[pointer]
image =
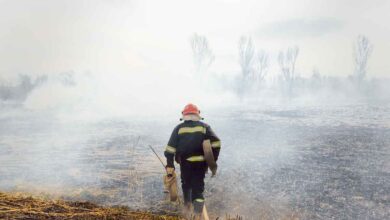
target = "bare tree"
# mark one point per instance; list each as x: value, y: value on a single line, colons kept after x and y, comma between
x: 287, y: 62
x: 246, y: 52
x: 202, y: 54
x: 261, y: 66
x: 315, y: 80
x: 254, y: 66
x: 363, y: 49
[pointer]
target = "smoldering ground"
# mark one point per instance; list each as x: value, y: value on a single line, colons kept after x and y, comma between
x: 310, y: 161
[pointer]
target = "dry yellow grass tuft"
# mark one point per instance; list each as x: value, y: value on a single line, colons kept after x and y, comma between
x: 18, y: 206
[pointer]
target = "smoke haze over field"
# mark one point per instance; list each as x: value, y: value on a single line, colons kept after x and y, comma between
x: 138, y: 53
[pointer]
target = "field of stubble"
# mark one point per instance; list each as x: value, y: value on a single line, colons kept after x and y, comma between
x: 276, y: 162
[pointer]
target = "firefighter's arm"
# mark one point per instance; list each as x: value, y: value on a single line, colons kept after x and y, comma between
x: 170, y: 149
x: 215, y: 142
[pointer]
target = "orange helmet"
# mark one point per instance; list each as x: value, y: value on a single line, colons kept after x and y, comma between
x: 190, y: 109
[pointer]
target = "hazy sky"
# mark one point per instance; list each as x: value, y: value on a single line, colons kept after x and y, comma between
x: 152, y: 37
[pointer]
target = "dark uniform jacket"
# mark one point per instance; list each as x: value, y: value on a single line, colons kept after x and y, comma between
x: 186, y: 142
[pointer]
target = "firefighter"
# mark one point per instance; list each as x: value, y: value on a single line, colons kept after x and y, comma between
x: 185, y: 146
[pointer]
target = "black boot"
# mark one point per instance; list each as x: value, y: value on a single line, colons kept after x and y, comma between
x: 198, y: 206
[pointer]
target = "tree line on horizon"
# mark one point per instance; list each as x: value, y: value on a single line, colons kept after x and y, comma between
x: 254, y: 64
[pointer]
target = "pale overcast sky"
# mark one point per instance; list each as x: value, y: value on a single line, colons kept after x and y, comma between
x: 136, y: 37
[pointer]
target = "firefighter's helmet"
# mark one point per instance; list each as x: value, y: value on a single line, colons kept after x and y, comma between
x: 190, y: 109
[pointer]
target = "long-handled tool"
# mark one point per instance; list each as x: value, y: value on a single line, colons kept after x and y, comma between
x: 205, y: 214
x: 162, y: 163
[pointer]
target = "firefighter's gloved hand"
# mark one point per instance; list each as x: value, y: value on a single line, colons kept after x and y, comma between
x: 170, y: 171
x: 214, y: 171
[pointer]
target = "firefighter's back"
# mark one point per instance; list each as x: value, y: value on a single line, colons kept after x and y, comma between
x: 190, y: 138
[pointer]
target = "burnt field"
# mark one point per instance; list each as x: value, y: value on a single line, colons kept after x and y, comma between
x: 276, y: 162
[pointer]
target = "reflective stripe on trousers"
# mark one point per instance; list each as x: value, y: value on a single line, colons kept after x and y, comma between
x: 199, y: 158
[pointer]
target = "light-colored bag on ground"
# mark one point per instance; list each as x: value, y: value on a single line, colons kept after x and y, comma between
x: 170, y: 184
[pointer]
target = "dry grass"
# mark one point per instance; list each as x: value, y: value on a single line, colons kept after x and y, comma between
x: 18, y: 206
